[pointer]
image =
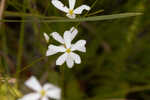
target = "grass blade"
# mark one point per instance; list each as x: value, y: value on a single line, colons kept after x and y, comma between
x: 93, y: 18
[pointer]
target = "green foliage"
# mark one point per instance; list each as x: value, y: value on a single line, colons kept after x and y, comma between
x: 9, y: 91
x: 118, y: 50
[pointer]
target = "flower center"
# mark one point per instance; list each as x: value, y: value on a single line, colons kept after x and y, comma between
x: 68, y: 50
x: 71, y: 12
x: 43, y: 92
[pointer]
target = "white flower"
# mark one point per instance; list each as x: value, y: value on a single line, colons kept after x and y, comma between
x: 69, y: 56
x: 41, y: 93
x: 71, y: 12
x: 46, y: 37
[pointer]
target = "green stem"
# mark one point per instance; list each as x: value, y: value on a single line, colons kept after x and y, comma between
x: 87, y: 12
x: 5, y: 49
x: 20, y: 49
x: 28, y: 66
x: 21, y: 42
x: 62, y: 69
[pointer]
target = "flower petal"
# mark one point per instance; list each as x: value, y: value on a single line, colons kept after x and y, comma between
x: 31, y: 96
x: 57, y: 37
x: 80, y: 46
x: 72, y: 4
x: 73, y: 32
x: 73, y: 16
x: 45, y: 98
x: 46, y: 37
x: 48, y: 86
x: 81, y: 8
x: 59, y: 5
x: 69, y: 61
x: 61, y: 59
x: 33, y: 83
x: 76, y: 57
x: 67, y: 38
x: 54, y: 93
x: 52, y: 49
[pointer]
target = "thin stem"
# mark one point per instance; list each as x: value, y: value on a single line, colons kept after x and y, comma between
x: 87, y: 12
x: 96, y: 12
x: 28, y: 66
x: 21, y: 42
x: 20, y: 50
x: 5, y: 48
x: 62, y: 69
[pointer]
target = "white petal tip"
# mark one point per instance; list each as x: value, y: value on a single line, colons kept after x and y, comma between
x: 47, y: 54
x: 52, y: 34
x: 58, y: 64
x: 70, y: 67
x: 46, y: 37
x: 59, y: 5
x: 79, y: 62
x: 29, y: 80
x: 73, y: 29
x: 88, y: 8
x: 71, y: 16
x: 84, y: 51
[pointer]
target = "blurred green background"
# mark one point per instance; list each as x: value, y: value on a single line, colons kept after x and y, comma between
x: 116, y: 65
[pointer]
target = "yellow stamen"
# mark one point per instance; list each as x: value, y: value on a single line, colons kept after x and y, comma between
x: 43, y: 92
x: 68, y: 50
x: 71, y: 12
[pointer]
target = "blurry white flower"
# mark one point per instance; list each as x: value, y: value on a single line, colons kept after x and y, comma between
x: 71, y: 12
x: 69, y: 56
x: 41, y: 93
x: 46, y: 37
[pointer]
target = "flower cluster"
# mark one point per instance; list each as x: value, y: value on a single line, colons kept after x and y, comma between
x: 66, y: 47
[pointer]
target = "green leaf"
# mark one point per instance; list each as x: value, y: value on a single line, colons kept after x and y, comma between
x: 94, y: 18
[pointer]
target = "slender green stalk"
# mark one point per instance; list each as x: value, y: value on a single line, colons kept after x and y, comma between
x: 88, y: 12
x: 62, y: 69
x: 5, y: 49
x: 20, y: 49
x: 94, y: 13
x: 83, y: 19
x: 21, y: 42
x: 28, y: 66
